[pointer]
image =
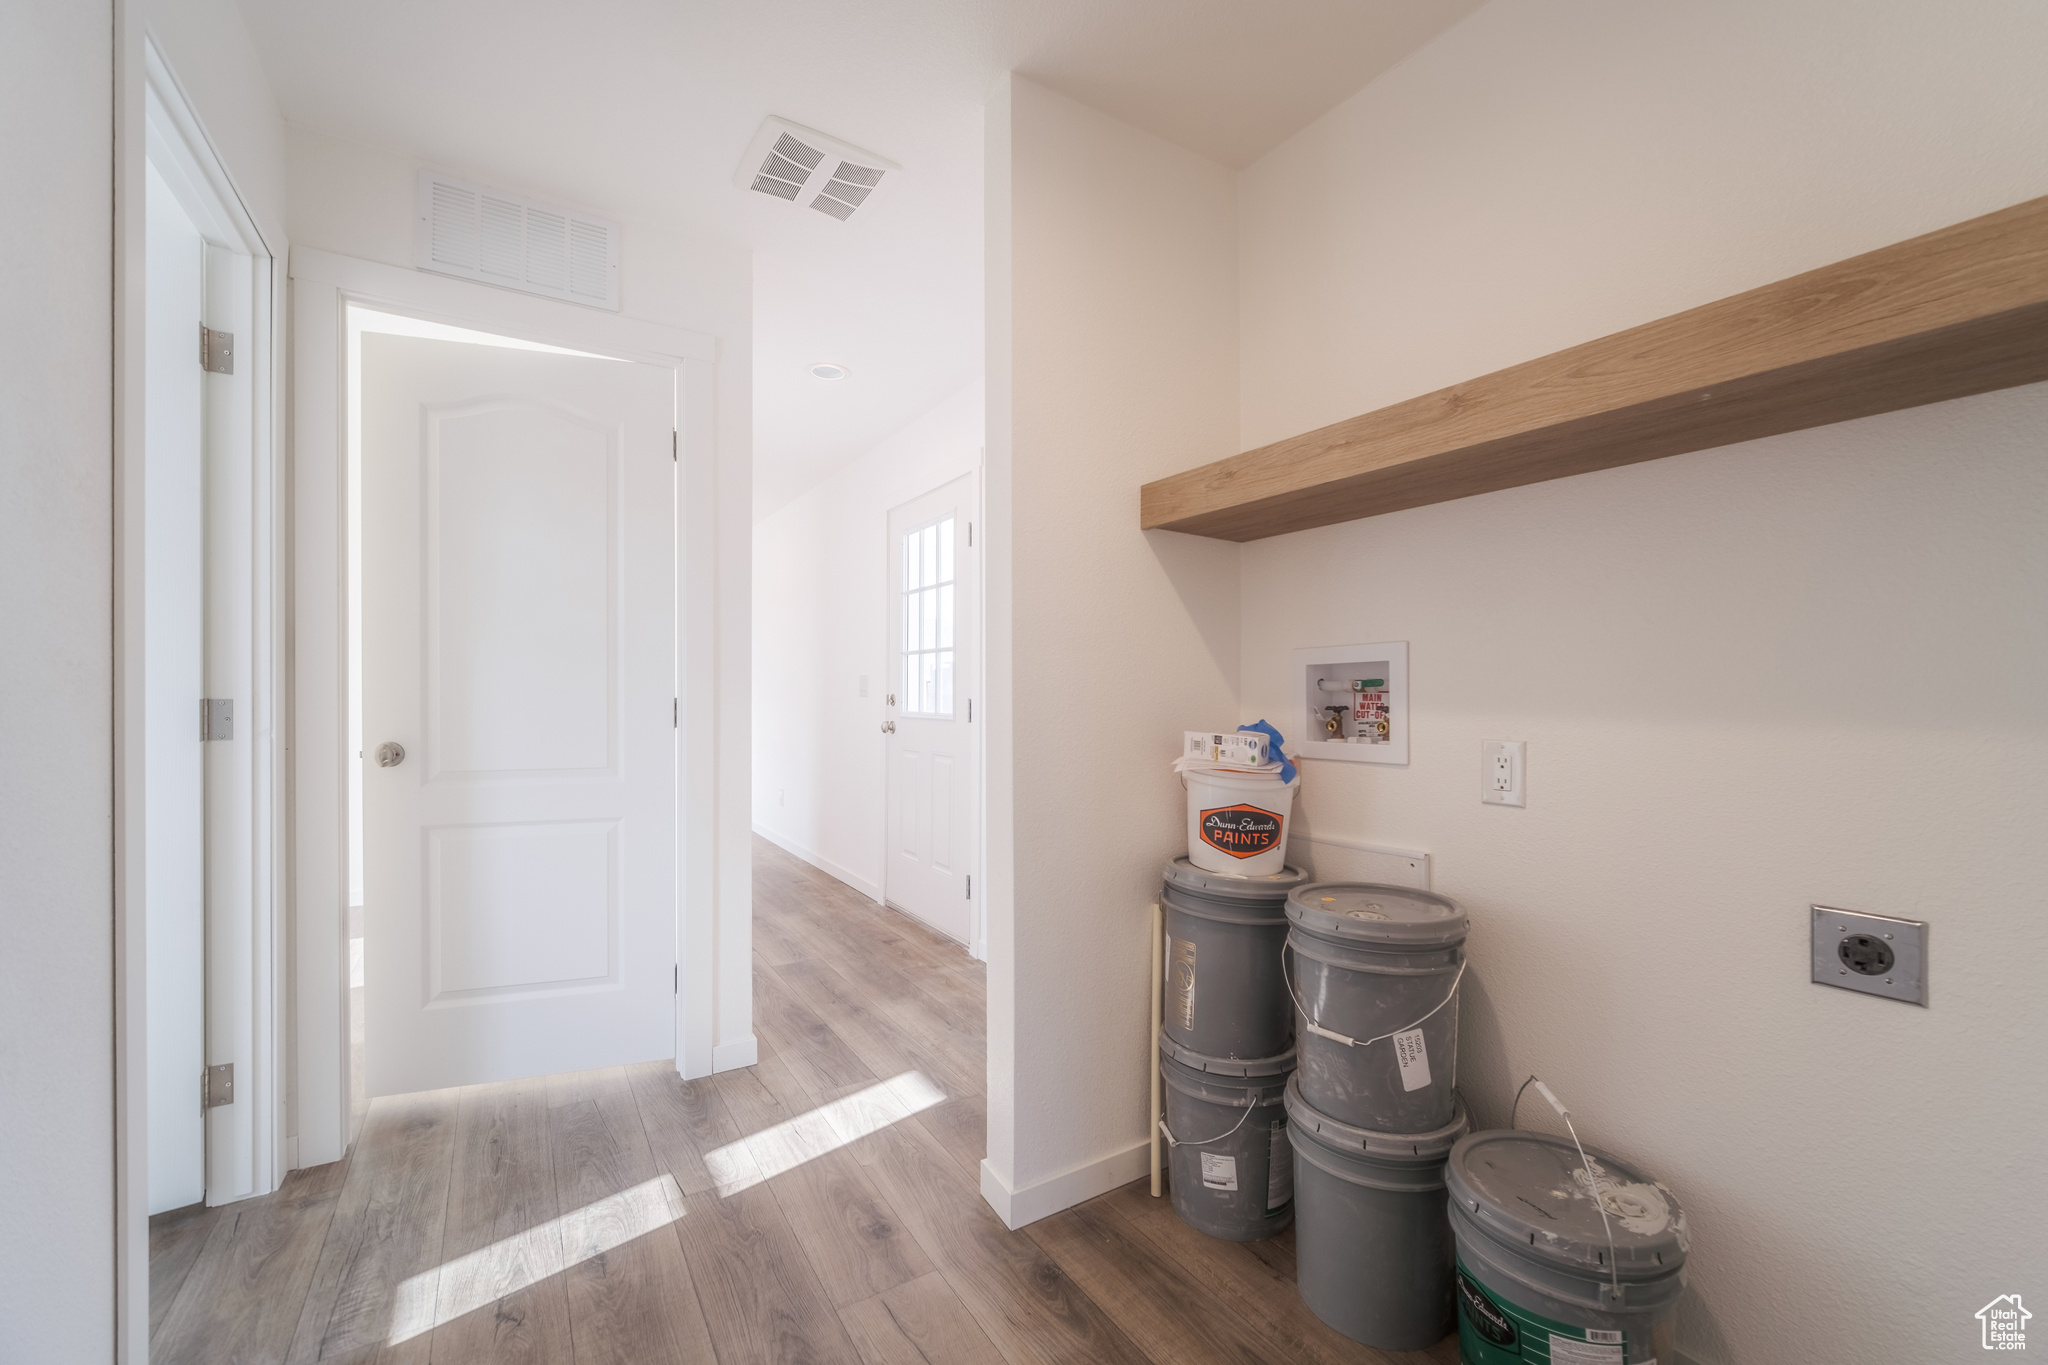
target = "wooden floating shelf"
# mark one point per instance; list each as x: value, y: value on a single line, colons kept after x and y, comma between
x: 1956, y: 312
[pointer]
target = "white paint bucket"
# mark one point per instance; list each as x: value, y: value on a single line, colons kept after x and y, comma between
x: 1237, y: 822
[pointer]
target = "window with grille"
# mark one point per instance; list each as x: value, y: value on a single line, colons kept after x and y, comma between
x: 928, y: 620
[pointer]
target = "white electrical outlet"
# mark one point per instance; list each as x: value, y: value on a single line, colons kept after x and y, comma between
x: 1500, y: 772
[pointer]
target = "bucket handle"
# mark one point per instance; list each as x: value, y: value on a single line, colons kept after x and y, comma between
x: 1313, y: 1027
x: 1173, y: 1141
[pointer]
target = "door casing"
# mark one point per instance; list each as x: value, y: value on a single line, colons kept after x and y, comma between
x: 714, y: 1012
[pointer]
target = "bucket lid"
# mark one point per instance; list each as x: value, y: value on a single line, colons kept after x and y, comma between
x: 1225, y: 1066
x: 1271, y: 889
x: 1303, y: 1117
x: 1529, y: 1192
x: 1367, y: 912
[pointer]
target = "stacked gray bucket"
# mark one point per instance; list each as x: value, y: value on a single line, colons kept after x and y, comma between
x: 1226, y: 1050
x: 1375, y: 973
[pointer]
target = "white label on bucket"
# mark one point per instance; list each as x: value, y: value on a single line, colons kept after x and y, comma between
x: 1220, y: 1172
x: 1568, y: 1351
x: 1413, y: 1058
x: 1279, y: 1168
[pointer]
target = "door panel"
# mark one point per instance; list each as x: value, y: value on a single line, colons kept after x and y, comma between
x: 174, y: 827
x: 934, y: 648
x: 518, y: 642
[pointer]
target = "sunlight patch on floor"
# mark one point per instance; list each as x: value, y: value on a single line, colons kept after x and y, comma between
x: 505, y: 1267
x: 789, y: 1144
x: 524, y: 1259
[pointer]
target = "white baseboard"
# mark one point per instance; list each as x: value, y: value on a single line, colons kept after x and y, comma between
x: 735, y: 1054
x: 822, y: 863
x: 1063, y: 1191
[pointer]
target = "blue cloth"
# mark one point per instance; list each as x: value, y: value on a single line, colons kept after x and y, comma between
x: 1273, y: 743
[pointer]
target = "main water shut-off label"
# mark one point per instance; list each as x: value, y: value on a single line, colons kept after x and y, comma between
x: 1241, y: 831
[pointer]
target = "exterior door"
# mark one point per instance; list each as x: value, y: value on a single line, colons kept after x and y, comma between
x: 518, y: 591
x: 934, y: 646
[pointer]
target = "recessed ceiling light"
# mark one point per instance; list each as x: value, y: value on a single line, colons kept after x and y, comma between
x: 827, y: 370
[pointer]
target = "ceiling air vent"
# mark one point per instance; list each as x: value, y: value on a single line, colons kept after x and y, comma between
x: 484, y: 234
x: 812, y: 170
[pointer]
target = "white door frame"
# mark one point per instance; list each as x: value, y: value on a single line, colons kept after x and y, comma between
x: 323, y: 285
x: 157, y: 125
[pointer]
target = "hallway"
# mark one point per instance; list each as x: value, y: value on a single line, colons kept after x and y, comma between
x: 822, y: 1206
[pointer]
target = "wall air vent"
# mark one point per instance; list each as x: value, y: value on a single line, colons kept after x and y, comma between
x: 811, y: 170
x: 478, y: 233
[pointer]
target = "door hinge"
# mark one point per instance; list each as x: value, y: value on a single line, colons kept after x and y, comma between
x: 676, y: 981
x: 216, y: 718
x: 970, y: 886
x: 970, y: 535
x: 216, y: 351
x: 675, y: 713
x: 217, y: 1086
x: 675, y: 445
x: 970, y: 710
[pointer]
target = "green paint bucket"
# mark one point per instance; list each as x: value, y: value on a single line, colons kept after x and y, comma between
x: 1536, y: 1280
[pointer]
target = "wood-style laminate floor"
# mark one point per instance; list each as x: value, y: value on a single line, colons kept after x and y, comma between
x: 822, y: 1207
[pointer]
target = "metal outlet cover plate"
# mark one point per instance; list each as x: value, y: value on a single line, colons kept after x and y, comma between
x: 1906, y: 940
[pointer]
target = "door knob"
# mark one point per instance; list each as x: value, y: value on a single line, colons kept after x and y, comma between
x: 390, y: 754
x: 888, y: 727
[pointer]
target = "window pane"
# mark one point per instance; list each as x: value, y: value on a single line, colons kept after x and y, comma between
x: 929, y: 639
x: 908, y: 691
x: 946, y: 550
x: 910, y: 543
x: 909, y: 621
x: 945, y: 640
x: 945, y: 682
x: 931, y: 555
x: 927, y: 684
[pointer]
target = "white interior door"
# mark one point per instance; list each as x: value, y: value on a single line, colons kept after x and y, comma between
x: 934, y: 643
x: 174, y: 825
x: 518, y: 593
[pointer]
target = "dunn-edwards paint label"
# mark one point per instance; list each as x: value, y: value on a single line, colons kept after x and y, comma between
x: 1241, y: 831
x: 1219, y: 1172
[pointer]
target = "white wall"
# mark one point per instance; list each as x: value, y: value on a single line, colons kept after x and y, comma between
x: 1112, y: 361
x: 821, y: 604
x: 1801, y: 670
x: 209, y: 50
x: 57, y: 1148
x: 357, y: 200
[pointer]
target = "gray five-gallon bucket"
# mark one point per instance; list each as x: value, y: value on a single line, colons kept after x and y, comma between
x: 1375, y: 971
x: 1372, y: 1243
x: 1225, y: 996
x: 1228, y: 1159
x: 1533, y: 1260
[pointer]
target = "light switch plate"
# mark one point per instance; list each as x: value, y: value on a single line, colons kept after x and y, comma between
x: 1501, y: 762
x: 1875, y: 954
